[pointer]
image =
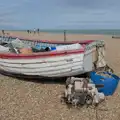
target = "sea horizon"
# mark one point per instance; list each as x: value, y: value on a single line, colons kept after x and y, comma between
x: 78, y: 31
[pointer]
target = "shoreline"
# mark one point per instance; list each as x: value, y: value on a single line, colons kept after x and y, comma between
x: 73, y: 31
x: 57, y: 36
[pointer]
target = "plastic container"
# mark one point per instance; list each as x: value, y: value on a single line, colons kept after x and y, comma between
x: 110, y: 83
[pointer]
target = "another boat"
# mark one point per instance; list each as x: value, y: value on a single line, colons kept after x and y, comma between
x: 116, y: 36
x: 53, y: 63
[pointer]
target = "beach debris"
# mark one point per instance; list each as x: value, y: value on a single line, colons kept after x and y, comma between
x: 79, y: 91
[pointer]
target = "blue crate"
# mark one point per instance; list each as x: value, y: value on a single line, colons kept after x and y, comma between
x: 110, y: 84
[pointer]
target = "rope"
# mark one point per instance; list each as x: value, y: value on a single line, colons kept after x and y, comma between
x: 100, y: 56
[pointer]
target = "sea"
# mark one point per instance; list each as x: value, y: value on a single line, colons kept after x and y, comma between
x: 85, y: 31
x: 90, y: 31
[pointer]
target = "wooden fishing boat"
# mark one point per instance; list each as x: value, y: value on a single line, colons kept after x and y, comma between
x: 54, y: 63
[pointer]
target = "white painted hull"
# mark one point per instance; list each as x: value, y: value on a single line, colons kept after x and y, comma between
x: 59, y: 66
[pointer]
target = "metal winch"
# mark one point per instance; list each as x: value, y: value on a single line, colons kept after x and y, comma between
x: 79, y: 91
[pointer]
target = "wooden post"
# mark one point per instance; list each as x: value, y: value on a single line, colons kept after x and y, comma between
x: 64, y: 35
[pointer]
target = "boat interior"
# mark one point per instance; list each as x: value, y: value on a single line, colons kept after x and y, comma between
x: 18, y: 46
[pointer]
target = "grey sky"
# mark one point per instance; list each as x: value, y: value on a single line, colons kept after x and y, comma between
x: 55, y: 14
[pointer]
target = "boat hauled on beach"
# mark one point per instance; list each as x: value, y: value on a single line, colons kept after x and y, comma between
x: 44, y: 58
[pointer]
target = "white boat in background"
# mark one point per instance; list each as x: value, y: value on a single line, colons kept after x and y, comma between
x: 54, y: 63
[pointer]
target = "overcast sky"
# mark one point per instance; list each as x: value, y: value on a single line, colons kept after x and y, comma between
x: 60, y: 14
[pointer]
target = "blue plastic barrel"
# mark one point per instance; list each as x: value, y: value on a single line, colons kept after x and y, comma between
x: 110, y: 83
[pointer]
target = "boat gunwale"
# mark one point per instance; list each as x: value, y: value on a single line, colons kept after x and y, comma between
x: 52, y: 41
x: 39, y: 55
